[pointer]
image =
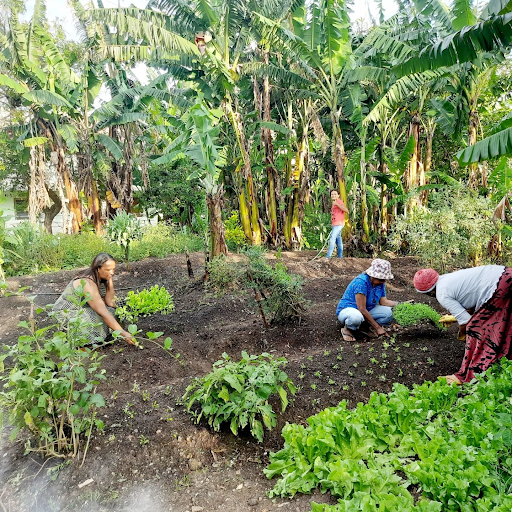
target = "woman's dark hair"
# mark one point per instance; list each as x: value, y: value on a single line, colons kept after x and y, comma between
x: 92, y: 272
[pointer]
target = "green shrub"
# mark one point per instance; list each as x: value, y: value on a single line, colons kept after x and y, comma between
x: 455, y: 231
x: 316, y: 227
x: 238, y: 393
x: 32, y: 250
x: 50, y: 388
x: 78, y: 250
x: 224, y: 275
x: 163, y: 239
x: 122, y: 230
x: 282, y: 293
x: 145, y: 303
x: 412, y: 314
x: 235, y: 236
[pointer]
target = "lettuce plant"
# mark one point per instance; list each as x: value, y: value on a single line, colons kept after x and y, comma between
x: 145, y: 303
x: 413, y: 314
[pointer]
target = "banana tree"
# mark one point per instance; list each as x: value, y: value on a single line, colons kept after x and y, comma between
x: 41, y: 79
x: 198, y: 130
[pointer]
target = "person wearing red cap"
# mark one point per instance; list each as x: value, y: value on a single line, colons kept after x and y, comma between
x: 480, y: 299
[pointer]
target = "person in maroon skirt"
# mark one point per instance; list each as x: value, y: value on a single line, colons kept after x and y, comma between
x: 480, y: 299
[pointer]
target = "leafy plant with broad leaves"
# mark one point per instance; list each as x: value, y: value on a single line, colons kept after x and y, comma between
x: 455, y: 450
x: 50, y: 386
x: 123, y: 229
x: 239, y: 392
x: 413, y: 314
x: 145, y: 303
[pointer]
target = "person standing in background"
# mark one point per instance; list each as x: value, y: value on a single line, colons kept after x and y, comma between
x: 338, y: 211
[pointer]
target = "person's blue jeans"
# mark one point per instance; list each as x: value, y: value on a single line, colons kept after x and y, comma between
x: 353, y: 318
x: 335, y: 239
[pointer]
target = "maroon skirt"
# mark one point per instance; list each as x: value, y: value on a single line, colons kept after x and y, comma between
x: 489, y: 332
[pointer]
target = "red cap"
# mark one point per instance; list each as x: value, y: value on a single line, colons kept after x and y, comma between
x: 425, y: 280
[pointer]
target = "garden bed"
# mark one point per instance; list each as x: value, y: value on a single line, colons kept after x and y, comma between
x: 151, y: 456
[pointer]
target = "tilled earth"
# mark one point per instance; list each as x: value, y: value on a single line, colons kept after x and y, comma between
x: 151, y: 456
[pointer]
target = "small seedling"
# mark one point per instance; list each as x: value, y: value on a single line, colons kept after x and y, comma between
x: 331, y: 382
x: 127, y: 410
x: 382, y: 378
x: 301, y: 375
x: 145, y: 395
x: 355, y: 365
x: 313, y: 386
x: 339, y: 358
x: 400, y: 372
x: 335, y: 366
x: 431, y: 361
x: 369, y: 371
x: 424, y: 349
x: 346, y: 387
x: 143, y: 440
x: 327, y: 352
x: 363, y: 383
x: 136, y: 387
x: 318, y: 374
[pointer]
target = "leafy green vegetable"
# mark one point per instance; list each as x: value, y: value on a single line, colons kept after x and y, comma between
x: 238, y: 393
x: 412, y: 314
x: 456, y: 450
x: 144, y: 303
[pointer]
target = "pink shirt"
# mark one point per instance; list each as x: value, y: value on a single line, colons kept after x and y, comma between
x: 337, y: 214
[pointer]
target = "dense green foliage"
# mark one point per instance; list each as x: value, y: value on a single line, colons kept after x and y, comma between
x: 238, y: 393
x: 456, y: 449
x: 407, y: 314
x: 455, y: 231
x: 123, y: 230
x: 145, y: 303
x: 49, y: 388
x: 32, y: 250
x: 278, y: 292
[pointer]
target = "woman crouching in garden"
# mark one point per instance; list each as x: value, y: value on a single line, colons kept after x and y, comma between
x: 480, y: 299
x: 99, y: 313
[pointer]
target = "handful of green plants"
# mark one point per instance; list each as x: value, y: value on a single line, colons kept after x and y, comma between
x: 407, y: 314
x: 238, y: 392
x: 145, y: 303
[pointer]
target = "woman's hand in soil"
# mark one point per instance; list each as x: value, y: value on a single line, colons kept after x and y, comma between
x: 381, y: 331
x: 128, y: 337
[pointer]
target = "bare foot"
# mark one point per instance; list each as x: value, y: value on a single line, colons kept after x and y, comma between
x: 347, y: 334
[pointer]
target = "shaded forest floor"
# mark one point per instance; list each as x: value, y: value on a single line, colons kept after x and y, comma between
x: 151, y: 456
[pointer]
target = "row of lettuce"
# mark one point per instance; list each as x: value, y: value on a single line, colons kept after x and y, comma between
x: 452, y: 451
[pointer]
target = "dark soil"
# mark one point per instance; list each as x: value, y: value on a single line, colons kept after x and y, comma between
x: 188, y: 467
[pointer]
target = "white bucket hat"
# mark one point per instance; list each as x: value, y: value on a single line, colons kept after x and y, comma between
x: 380, y: 269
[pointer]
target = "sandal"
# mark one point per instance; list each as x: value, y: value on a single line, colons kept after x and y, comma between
x: 452, y: 380
x: 346, y: 335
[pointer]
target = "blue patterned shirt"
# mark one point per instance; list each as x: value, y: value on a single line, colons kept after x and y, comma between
x: 361, y: 284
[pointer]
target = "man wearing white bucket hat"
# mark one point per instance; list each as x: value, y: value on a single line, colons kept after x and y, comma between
x: 365, y: 300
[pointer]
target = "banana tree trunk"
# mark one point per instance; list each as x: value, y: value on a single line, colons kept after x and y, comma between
x: 75, y: 208
x: 214, y: 201
x: 269, y: 160
x: 95, y: 207
x: 295, y: 208
x: 428, y: 162
x: 411, y: 177
x: 474, y: 178
x: 252, y: 203
x: 38, y: 198
x: 364, y: 207
x: 51, y: 212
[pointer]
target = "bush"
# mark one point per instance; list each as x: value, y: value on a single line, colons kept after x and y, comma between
x: 235, y: 236
x: 238, y: 393
x: 455, y: 231
x: 316, y: 227
x: 50, y: 389
x: 412, y: 314
x: 282, y: 293
x: 163, y: 239
x: 122, y: 230
x: 224, y: 276
x: 145, y: 303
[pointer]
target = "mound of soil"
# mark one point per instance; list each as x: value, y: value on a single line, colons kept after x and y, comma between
x: 151, y: 456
